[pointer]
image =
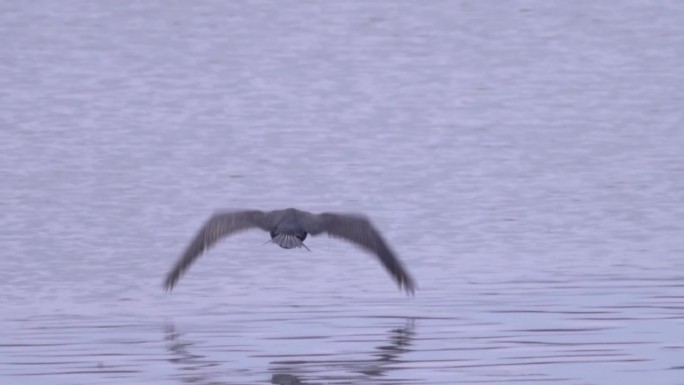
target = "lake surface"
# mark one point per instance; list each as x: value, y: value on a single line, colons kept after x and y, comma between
x: 523, y: 158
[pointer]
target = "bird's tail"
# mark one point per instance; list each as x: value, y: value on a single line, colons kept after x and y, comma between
x: 287, y: 241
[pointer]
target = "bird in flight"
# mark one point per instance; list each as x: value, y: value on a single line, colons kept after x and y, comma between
x: 288, y: 229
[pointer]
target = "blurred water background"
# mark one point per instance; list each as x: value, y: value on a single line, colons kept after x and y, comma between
x: 524, y: 158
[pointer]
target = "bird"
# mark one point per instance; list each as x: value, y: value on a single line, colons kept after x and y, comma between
x: 288, y: 228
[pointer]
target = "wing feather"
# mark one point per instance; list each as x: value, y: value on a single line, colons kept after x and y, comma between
x: 362, y: 232
x: 219, y: 225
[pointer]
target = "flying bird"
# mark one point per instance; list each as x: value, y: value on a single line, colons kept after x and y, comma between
x: 288, y: 229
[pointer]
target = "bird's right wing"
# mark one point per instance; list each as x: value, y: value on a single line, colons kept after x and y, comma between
x: 220, y: 225
x: 359, y: 230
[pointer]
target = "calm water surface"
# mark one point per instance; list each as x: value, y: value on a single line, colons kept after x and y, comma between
x: 524, y: 159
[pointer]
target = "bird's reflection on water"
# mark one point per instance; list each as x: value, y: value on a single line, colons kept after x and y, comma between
x: 196, y: 369
x: 199, y: 369
x: 400, y: 340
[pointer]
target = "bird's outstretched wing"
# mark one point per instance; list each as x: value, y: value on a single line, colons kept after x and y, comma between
x: 360, y: 230
x: 220, y: 225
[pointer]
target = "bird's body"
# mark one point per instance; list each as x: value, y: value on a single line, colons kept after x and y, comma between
x: 288, y: 229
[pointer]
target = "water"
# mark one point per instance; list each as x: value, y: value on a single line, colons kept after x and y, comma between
x: 523, y: 158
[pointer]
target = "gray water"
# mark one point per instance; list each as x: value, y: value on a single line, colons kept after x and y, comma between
x: 524, y: 159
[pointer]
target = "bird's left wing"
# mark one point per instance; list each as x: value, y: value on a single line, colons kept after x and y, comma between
x: 220, y: 225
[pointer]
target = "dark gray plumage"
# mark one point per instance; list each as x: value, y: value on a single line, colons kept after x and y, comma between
x: 288, y: 229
